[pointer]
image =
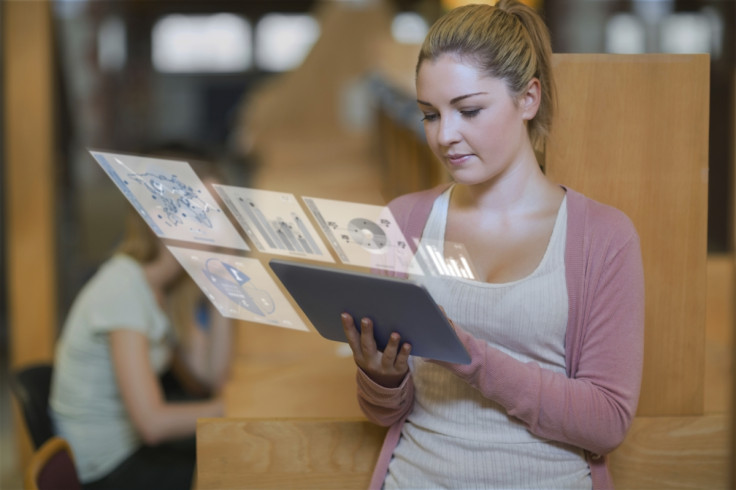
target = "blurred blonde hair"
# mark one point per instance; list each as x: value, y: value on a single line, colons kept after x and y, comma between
x: 139, y: 241
x: 508, y: 41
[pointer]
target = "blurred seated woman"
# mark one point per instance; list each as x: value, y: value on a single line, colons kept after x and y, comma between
x: 135, y: 327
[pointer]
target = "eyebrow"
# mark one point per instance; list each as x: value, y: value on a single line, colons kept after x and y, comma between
x: 455, y: 100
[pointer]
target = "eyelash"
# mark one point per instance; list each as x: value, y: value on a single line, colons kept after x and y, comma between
x: 468, y: 114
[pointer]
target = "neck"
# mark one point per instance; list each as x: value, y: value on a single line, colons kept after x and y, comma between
x: 161, y: 272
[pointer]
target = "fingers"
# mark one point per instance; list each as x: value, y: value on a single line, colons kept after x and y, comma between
x: 393, y: 361
x: 384, y: 360
x: 351, y: 333
x: 367, y: 341
x: 362, y: 343
x: 395, y: 357
x: 389, y: 353
x: 401, y: 364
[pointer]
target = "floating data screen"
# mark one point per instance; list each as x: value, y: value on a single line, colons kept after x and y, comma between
x: 440, y: 258
x: 274, y: 222
x: 239, y: 287
x: 365, y: 235
x: 171, y: 198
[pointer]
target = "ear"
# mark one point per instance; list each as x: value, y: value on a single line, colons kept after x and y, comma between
x: 530, y: 99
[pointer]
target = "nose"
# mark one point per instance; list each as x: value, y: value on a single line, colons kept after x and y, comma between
x: 447, y: 131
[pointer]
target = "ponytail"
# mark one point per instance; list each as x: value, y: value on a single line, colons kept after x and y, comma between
x: 540, y: 126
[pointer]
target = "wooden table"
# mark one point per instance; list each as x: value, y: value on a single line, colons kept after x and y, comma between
x: 279, y: 372
x: 291, y: 417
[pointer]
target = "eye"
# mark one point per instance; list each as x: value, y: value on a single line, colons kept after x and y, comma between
x: 470, y: 113
x: 430, y: 117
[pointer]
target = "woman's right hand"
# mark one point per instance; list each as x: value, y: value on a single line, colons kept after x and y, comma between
x: 387, y: 368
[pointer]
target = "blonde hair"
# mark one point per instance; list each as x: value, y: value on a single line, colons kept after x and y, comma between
x: 139, y: 241
x: 508, y: 41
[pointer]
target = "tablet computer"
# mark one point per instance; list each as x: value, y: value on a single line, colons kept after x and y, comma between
x: 393, y: 304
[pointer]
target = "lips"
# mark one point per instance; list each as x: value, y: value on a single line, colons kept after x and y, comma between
x: 457, y: 158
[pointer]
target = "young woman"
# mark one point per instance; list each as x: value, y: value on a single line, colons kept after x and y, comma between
x: 554, y: 326
x: 132, y: 325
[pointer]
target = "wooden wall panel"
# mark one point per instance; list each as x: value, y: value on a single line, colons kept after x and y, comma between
x: 632, y: 131
x: 28, y: 190
x: 29, y: 180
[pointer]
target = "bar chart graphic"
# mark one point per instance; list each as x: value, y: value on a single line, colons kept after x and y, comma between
x: 171, y: 198
x: 448, y: 259
x: 239, y: 287
x: 274, y: 222
x: 365, y: 235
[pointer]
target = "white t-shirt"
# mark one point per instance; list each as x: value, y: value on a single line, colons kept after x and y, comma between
x: 85, y: 404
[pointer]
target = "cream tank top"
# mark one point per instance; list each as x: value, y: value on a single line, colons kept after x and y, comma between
x: 456, y: 438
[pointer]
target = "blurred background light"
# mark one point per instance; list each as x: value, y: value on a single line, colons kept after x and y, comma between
x: 686, y: 32
x: 409, y: 28
x: 284, y: 40
x: 625, y: 34
x: 202, y: 43
x: 111, y: 44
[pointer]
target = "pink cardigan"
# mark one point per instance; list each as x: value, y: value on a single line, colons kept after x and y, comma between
x: 592, y: 406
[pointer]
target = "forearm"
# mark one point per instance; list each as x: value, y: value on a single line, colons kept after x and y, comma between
x: 551, y: 405
x: 207, y: 352
x: 170, y: 421
x: 220, y: 351
x: 154, y: 418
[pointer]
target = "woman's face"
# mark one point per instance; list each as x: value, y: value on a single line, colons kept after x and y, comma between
x: 472, y: 123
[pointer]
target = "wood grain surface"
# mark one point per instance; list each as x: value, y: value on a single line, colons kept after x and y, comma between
x: 289, y: 453
x: 632, y: 132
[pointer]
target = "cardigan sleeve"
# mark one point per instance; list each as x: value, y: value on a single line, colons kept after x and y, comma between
x: 387, y: 406
x: 384, y: 406
x: 593, y: 407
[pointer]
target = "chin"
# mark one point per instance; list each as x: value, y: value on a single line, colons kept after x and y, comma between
x: 469, y: 178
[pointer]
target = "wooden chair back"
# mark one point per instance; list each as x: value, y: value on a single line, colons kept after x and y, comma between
x: 51, y: 467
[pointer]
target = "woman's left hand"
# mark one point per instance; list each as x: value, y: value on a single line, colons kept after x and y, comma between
x: 387, y: 368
